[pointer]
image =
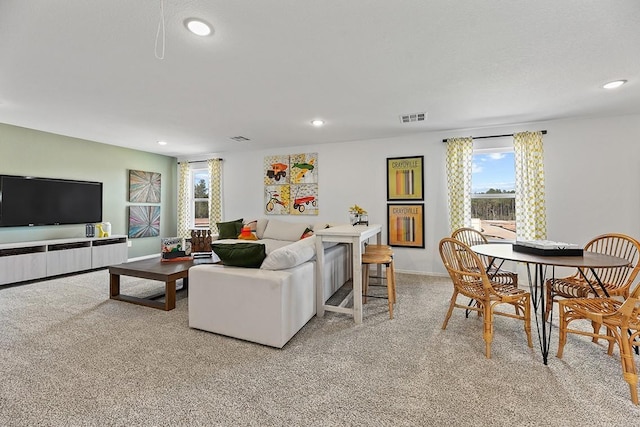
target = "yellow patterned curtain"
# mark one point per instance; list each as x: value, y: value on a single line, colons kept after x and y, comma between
x: 459, y: 157
x: 531, y: 217
x: 184, y: 221
x: 215, y: 193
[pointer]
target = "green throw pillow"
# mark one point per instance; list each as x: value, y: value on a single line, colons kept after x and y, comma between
x: 229, y: 229
x: 240, y: 254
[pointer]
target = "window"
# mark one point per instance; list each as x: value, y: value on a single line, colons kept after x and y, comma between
x: 493, y: 193
x: 200, y: 197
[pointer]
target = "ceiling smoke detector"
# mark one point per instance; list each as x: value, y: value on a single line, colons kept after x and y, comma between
x: 414, y: 117
x: 240, y: 138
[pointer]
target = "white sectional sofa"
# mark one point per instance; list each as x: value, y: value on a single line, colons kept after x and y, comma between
x: 270, y: 304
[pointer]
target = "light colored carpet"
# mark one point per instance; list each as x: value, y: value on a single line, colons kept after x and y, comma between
x: 72, y: 357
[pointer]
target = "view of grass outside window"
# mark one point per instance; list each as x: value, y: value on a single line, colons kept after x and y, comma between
x: 493, y: 194
x: 200, y: 198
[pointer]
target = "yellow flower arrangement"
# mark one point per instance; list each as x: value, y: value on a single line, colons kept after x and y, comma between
x: 355, y: 209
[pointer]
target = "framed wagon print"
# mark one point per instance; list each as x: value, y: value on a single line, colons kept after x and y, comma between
x: 405, y: 178
x: 405, y: 225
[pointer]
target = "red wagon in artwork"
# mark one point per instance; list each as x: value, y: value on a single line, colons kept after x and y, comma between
x: 300, y: 202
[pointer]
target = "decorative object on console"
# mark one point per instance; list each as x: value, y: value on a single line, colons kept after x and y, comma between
x: 405, y: 178
x: 405, y: 225
x: 358, y: 216
x: 144, y: 221
x: 104, y: 229
x: 144, y: 187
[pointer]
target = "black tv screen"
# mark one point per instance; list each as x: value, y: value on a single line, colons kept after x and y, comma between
x: 26, y: 201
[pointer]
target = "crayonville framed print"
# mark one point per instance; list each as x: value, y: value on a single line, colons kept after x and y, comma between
x: 405, y: 225
x: 405, y: 178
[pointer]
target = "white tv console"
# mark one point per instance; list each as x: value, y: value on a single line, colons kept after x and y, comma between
x: 24, y: 261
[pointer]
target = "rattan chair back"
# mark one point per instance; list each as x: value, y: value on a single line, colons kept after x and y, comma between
x: 617, y: 280
x: 469, y: 276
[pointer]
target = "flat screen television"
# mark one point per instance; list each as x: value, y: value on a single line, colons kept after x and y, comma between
x: 28, y: 201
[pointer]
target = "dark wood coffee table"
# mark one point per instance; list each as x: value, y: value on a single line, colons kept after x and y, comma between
x: 153, y: 269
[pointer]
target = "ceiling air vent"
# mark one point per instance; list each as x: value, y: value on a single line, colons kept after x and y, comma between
x: 240, y: 138
x: 415, y: 117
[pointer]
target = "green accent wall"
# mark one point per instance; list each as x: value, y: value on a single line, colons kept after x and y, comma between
x: 34, y: 153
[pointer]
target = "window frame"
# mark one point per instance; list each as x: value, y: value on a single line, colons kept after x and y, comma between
x: 501, y: 145
x: 193, y: 171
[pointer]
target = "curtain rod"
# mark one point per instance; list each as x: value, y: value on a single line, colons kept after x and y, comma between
x: 544, y: 132
x: 202, y: 161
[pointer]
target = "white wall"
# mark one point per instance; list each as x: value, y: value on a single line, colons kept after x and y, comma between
x: 592, y: 182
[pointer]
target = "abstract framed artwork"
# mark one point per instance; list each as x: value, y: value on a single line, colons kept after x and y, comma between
x: 144, y: 221
x: 405, y: 225
x: 144, y: 187
x: 405, y: 178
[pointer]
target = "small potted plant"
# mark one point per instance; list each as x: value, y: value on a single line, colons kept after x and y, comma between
x: 358, y: 216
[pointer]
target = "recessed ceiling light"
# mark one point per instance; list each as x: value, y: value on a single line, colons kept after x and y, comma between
x: 162, y: 142
x: 198, y: 27
x: 317, y: 122
x: 614, y: 84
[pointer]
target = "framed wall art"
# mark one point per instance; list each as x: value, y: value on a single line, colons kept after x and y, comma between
x: 144, y: 221
x: 405, y: 178
x: 291, y: 184
x: 405, y: 225
x: 144, y: 187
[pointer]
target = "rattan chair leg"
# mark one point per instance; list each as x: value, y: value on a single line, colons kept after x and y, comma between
x: 596, y: 330
x: 527, y: 320
x: 452, y: 305
x: 488, y: 329
x: 562, y: 334
x: 549, y: 301
x: 628, y: 365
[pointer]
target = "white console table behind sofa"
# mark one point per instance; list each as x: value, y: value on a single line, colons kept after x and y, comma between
x: 356, y: 235
x: 22, y: 261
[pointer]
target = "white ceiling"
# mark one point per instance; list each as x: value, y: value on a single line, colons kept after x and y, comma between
x: 88, y: 69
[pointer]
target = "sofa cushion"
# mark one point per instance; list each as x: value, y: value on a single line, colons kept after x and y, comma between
x: 290, y: 256
x: 260, y: 226
x: 283, y: 230
x: 240, y: 254
x: 229, y: 229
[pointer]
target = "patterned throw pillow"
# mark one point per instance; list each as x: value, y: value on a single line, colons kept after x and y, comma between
x: 307, y: 233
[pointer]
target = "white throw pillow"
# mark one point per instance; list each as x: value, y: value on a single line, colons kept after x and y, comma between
x: 281, y: 230
x: 291, y: 255
x: 260, y: 226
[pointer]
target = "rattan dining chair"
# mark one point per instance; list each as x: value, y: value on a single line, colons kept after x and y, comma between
x: 622, y: 324
x: 470, y: 279
x: 616, y: 281
x: 471, y: 236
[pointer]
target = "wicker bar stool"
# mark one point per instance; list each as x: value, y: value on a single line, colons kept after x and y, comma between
x: 378, y: 248
x: 373, y: 258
